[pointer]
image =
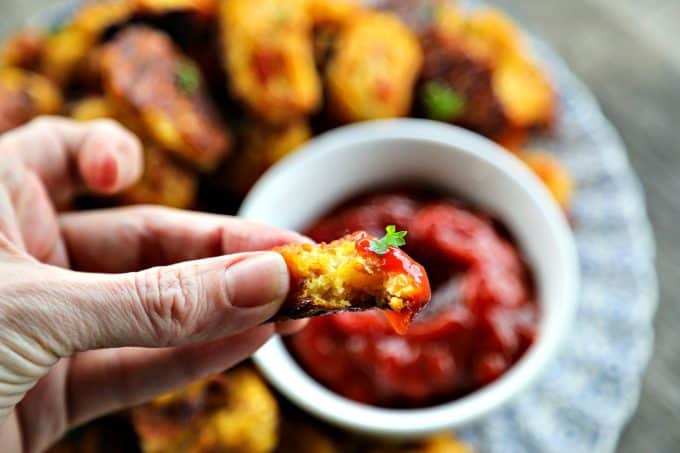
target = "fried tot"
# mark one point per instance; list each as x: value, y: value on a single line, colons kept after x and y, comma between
x: 348, y: 275
x: 481, y: 75
x: 25, y: 95
x: 457, y: 88
x: 525, y: 92
x: 268, y: 54
x: 232, y: 412
x: 149, y: 78
x: 373, y: 70
x: 522, y: 86
x: 491, y: 35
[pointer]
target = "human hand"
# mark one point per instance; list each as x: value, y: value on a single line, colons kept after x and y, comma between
x: 113, y: 332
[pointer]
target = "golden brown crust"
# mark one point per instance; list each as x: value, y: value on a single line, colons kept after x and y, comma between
x: 525, y: 92
x: 268, y: 55
x: 142, y: 72
x: 373, y: 70
x: 345, y: 275
x: 234, y: 411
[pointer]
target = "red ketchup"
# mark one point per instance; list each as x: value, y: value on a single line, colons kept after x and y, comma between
x: 481, y: 320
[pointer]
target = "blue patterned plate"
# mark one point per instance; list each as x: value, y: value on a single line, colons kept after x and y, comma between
x: 590, y: 391
x: 586, y: 396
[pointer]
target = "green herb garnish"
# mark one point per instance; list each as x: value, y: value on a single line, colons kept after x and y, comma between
x: 188, y: 77
x: 392, y: 238
x: 442, y: 103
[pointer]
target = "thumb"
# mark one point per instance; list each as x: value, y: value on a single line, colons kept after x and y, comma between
x: 187, y: 303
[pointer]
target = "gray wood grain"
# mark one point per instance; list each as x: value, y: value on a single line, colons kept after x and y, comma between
x: 627, y: 52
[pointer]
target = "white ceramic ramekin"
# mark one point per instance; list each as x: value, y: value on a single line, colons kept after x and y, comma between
x: 356, y: 158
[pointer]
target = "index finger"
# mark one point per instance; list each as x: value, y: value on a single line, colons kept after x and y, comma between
x: 134, y: 238
x: 66, y: 154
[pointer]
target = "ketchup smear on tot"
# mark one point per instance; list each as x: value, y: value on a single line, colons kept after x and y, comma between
x: 395, y: 260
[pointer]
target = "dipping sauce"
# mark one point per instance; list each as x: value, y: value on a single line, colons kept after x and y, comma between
x: 481, y: 320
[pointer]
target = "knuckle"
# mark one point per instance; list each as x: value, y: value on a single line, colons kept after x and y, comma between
x: 105, y: 124
x: 149, y: 211
x: 40, y: 123
x: 170, y: 297
x: 44, y: 130
x: 44, y: 127
x: 112, y: 129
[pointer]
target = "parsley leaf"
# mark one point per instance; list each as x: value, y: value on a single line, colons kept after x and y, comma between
x: 442, y: 103
x: 188, y: 77
x: 392, y: 238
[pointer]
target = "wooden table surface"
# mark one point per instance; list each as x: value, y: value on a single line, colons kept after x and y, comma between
x: 627, y: 52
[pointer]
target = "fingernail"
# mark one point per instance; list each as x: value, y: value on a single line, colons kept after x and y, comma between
x: 108, y: 172
x: 258, y: 280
